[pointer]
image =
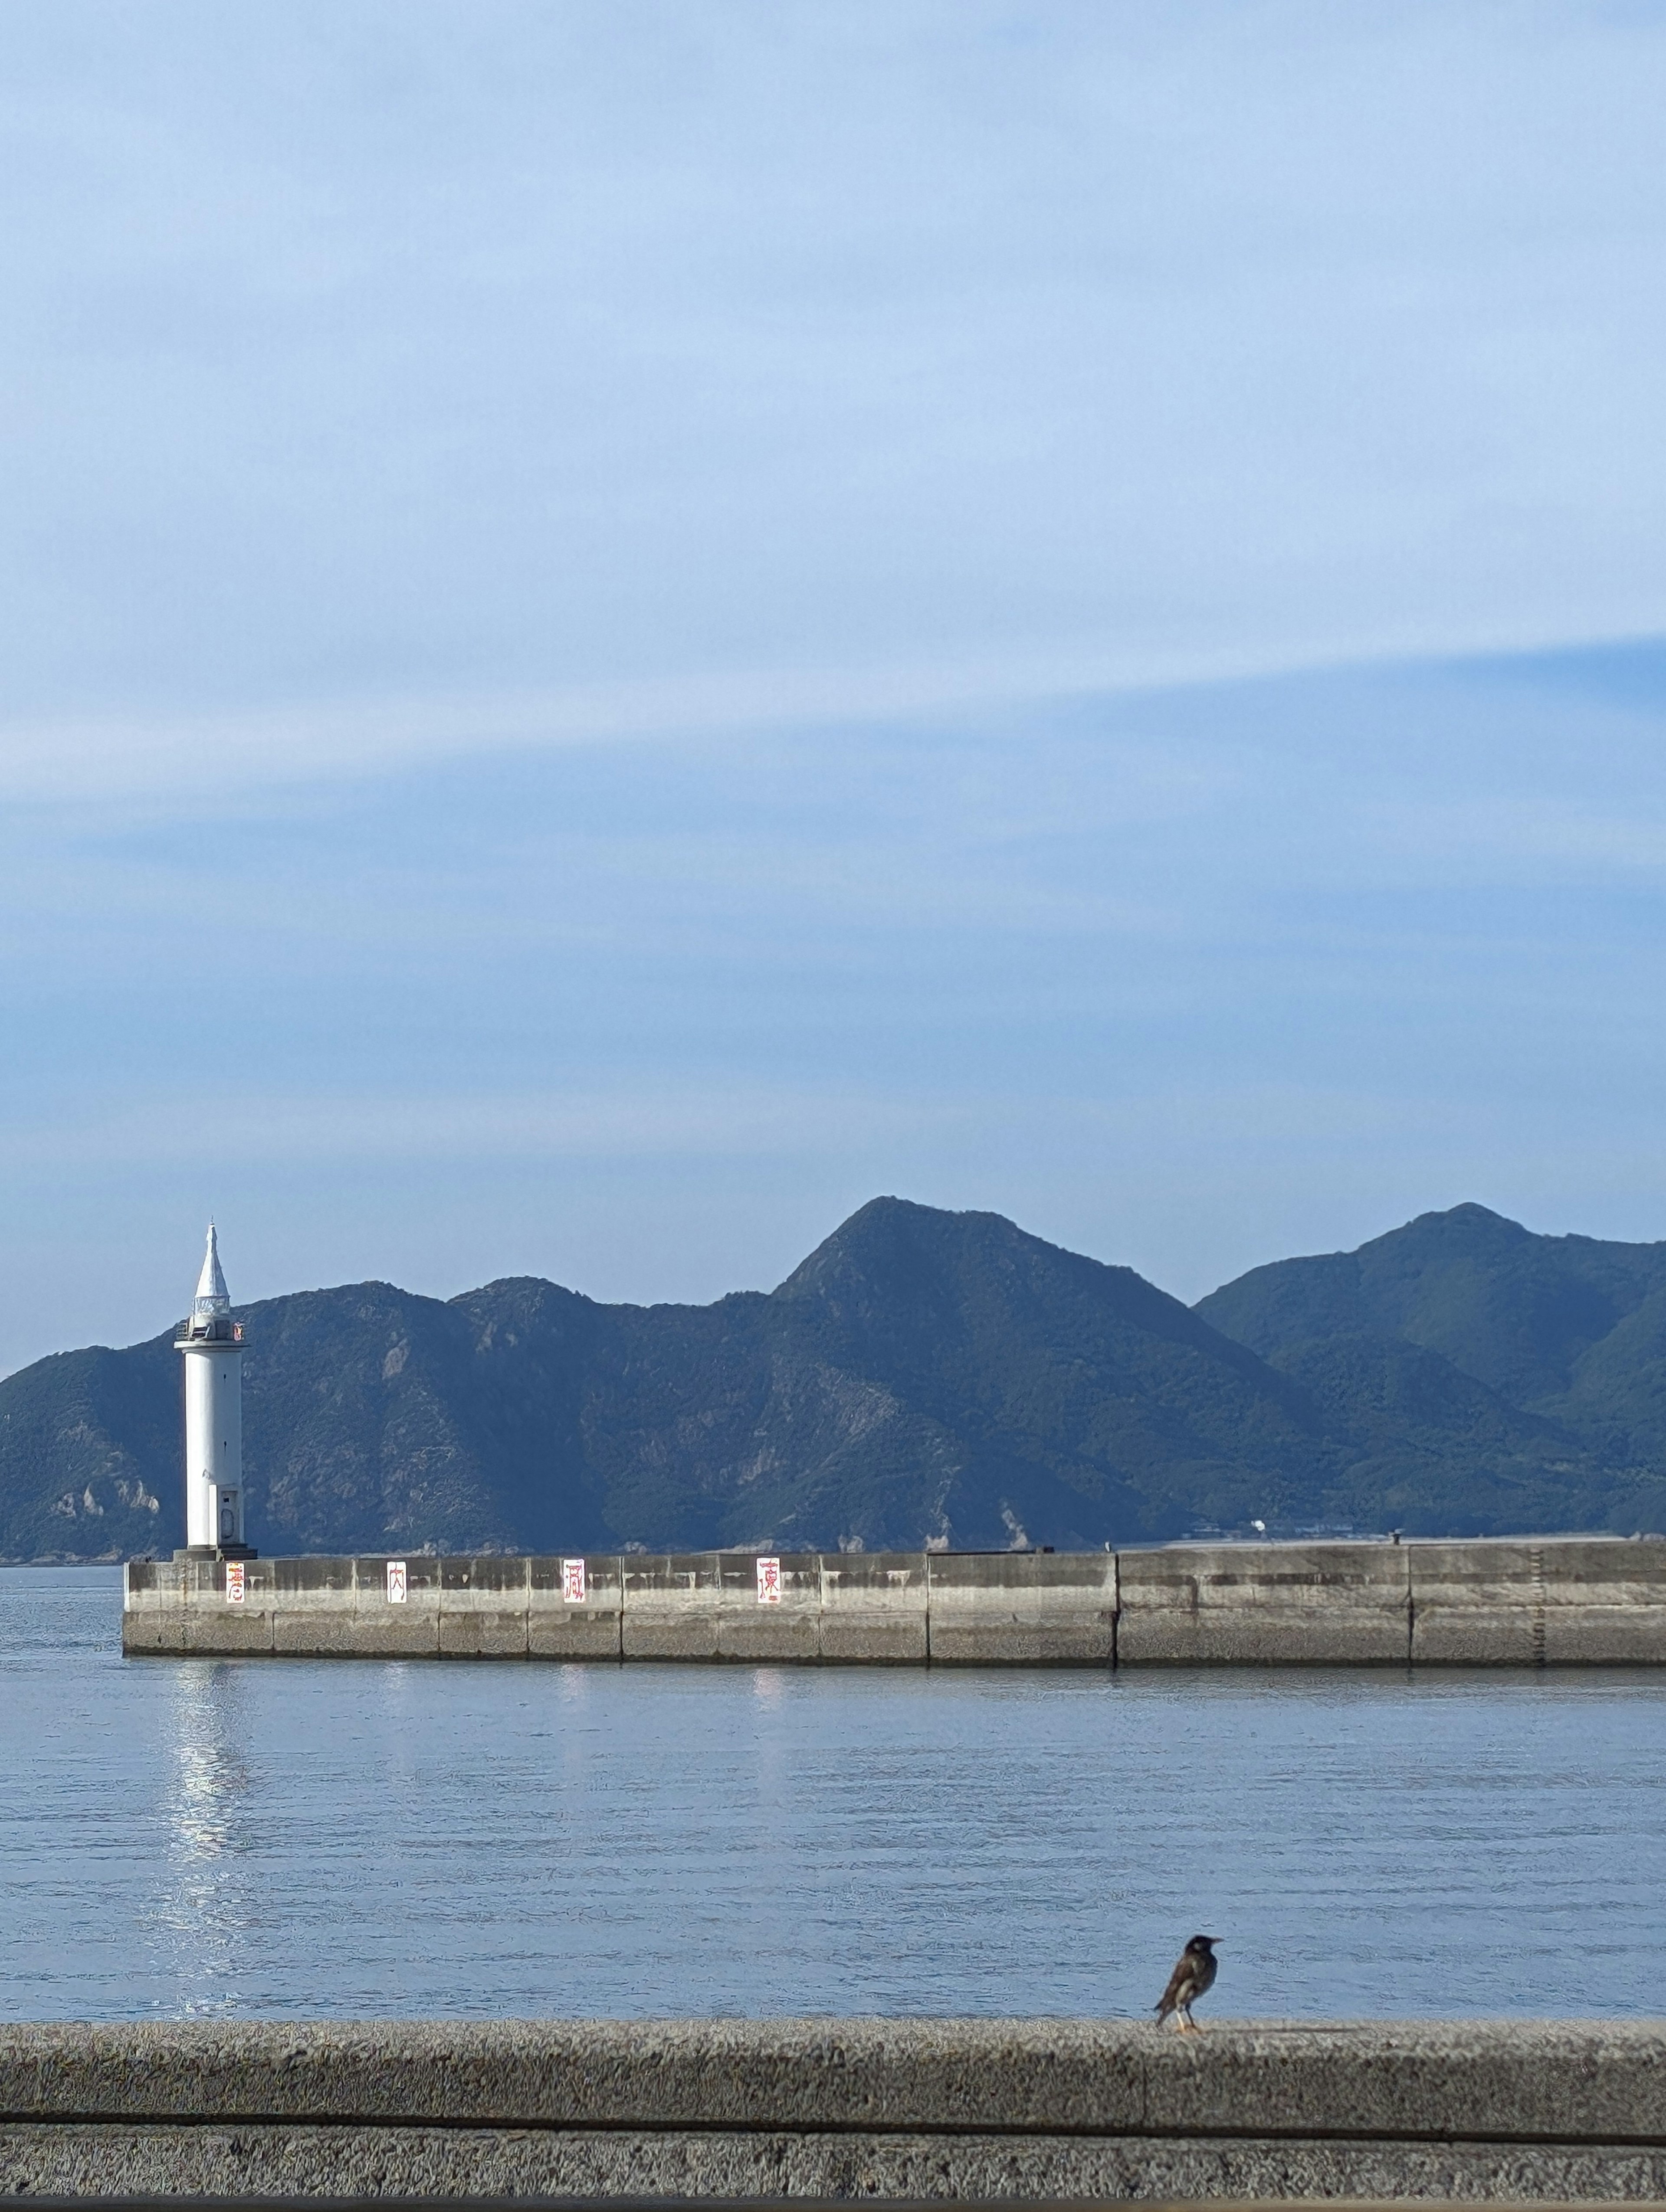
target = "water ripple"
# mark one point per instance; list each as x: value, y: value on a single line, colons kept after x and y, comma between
x: 296, y: 1837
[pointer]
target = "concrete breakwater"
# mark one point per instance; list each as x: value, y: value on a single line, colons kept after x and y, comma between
x: 1549, y: 1601
x: 1488, y: 2111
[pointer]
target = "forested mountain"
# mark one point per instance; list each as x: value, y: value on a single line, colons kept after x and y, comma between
x: 922, y: 1376
x: 1491, y: 1378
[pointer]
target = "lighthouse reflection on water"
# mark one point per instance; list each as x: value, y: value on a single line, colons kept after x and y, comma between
x: 208, y: 1907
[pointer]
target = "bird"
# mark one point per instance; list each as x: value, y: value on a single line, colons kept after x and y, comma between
x: 1193, y: 1973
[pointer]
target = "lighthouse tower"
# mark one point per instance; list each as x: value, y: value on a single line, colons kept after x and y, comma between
x: 212, y: 1344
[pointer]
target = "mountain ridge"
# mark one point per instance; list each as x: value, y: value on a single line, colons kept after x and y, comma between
x: 921, y: 1377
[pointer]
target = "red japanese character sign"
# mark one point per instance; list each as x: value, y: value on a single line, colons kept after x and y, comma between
x: 234, y: 1572
x: 769, y: 1582
x: 396, y: 1582
x: 572, y: 1580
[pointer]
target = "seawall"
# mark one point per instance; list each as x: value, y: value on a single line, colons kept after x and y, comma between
x: 1486, y: 2111
x: 1549, y: 1601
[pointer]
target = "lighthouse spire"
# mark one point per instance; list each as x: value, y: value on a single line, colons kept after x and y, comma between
x: 213, y: 1298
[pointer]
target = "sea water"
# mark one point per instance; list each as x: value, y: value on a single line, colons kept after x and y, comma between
x: 296, y: 1837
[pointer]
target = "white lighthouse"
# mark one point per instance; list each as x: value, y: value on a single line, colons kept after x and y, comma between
x: 212, y: 1343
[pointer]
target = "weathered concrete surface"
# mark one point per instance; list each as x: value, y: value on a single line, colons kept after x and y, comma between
x: 561, y: 1626
x: 311, y: 1601
x: 484, y: 1610
x: 1558, y: 1601
x: 936, y: 2109
x: 1022, y: 1608
x: 342, y: 2163
x: 705, y: 1605
x: 874, y: 1608
x: 1337, y: 1605
x: 408, y: 1631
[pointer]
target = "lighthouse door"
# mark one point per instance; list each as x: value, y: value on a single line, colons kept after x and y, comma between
x: 227, y: 1516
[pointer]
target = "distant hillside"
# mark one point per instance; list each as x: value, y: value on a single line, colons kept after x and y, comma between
x: 923, y: 1376
x: 1547, y: 1353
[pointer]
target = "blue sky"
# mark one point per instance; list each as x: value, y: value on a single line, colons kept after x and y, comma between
x: 625, y: 625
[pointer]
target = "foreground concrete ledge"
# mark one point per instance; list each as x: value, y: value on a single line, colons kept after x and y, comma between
x: 1030, y: 2112
x: 712, y: 2204
x: 1560, y: 2081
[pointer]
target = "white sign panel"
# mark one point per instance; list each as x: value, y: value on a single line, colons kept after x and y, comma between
x: 233, y: 1582
x: 396, y: 1582
x: 769, y: 1582
x: 572, y: 1580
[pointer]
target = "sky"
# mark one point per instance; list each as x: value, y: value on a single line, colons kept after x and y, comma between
x: 622, y: 626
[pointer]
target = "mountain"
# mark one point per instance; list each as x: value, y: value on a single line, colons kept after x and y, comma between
x: 1517, y: 1312
x: 1548, y: 1352
x: 923, y: 1376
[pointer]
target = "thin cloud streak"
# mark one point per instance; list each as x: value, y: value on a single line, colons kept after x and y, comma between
x: 653, y: 1122
x: 190, y: 763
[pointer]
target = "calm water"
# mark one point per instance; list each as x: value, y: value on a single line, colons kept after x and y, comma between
x: 302, y: 1837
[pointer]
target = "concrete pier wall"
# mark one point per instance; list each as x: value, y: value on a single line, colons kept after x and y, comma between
x: 1324, y: 1604
x: 1549, y: 1601
x: 1484, y: 2111
x: 1561, y: 1601
x: 1021, y: 1609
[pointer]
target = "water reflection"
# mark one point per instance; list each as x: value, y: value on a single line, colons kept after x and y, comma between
x: 206, y: 1909
x: 211, y: 1772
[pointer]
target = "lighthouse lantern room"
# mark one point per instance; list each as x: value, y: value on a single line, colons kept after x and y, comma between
x: 212, y: 1344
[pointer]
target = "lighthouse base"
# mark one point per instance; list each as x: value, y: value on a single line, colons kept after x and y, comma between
x: 216, y: 1552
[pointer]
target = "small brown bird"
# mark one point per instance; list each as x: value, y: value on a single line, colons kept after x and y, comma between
x: 1193, y: 1973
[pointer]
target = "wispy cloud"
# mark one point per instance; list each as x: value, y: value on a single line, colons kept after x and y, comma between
x: 195, y: 763
x: 655, y: 1120
x: 541, y: 378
